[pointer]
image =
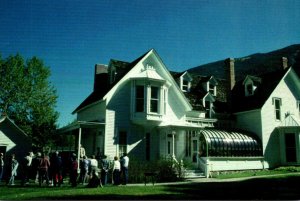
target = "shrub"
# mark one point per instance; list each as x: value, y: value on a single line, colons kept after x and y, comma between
x: 166, y: 170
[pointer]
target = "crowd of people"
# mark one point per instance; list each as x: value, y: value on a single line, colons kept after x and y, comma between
x: 54, y: 170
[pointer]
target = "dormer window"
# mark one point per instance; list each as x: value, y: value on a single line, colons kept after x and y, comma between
x: 185, y: 85
x: 185, y: 82
x: 212, y: 89
x: 249, y: 89
x: 251, y: 83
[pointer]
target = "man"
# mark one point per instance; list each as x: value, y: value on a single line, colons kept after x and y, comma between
x: 104, y: 170
x: 1, y: 166
x: 43, y: 170
x: 26, y: 166
x: 124, y: 168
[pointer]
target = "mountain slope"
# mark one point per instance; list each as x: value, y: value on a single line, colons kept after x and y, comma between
x: 254, y: 64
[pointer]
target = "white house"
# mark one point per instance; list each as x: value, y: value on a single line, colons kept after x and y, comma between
x: 268, y: 105
x: 143, y: 109
x: 12, y: 139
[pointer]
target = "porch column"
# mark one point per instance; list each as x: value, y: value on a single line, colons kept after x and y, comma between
x: 79, y: 143
x: 173, y: 144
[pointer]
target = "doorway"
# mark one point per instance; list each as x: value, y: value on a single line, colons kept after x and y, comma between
x: 290, y: 147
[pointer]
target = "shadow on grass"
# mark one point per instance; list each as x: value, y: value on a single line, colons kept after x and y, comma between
x: 259, y: 188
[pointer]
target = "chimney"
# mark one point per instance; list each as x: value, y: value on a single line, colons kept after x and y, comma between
x: 100, y: 77
x: 284, y: 63
x: 230, y: 75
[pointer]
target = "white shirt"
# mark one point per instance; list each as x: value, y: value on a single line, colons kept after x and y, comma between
x: 125, y: 161
x: 94, y: 163
x: 117, y: 165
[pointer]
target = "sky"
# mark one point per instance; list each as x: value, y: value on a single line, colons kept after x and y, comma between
x: 71, y: 36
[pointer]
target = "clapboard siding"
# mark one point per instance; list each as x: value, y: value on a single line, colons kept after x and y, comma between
x: 289, y: 96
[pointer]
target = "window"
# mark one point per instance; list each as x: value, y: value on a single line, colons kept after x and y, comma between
x: 207, y: 108
x: 277, y: 106
x: 139, y: 106
x: 250, y: 89
x: 211, y: 89
x: 122, y: 143
x: 154, y: 100
x: 185, y: 85
x: 188, y: 149
x: 147, y: 146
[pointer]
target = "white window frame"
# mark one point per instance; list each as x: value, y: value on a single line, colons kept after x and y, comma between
x: 279, y: 101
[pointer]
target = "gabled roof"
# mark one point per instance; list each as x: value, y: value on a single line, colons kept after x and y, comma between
x: 98, y: 94
x: 7, y: 119
x: 268, y: 83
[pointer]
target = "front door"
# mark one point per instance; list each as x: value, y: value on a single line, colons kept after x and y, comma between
x: 194, y: 149
x: 290, y: 147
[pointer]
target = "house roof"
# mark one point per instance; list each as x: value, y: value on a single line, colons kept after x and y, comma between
x: 98, y: 94
x: 7, y: 119
x: 268, y: 83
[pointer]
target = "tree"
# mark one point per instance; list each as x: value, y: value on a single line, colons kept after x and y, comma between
x: 28, y: 97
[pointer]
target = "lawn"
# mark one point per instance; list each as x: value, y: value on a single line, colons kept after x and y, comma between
x: 277, y: 187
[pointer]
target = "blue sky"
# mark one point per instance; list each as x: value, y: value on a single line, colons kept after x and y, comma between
x: 71, y: 36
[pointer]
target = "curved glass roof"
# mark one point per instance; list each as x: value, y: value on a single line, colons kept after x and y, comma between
x: 228, y: 143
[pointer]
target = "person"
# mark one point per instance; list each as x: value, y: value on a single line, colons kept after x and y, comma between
x: 116, y: 171
x: 82, y: 151
x: 94, y: 165
x: 84, y: 170
x: 104, y: 169
x: 1, y: 165
x: 124, y: 168
x: 35, y: 166
x: 43, y: 169
x: 56, y: 165
x: 13, y: 164
x: 26, y: 166
x: 94, y: 180
x: 73, y: 170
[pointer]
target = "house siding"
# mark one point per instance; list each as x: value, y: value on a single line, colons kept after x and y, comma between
x: 250, y: 121
x: 270, y: 135
x: 15, y: 140
x: 92, y: 113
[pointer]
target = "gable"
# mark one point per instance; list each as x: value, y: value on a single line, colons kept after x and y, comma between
x: 142, y: 69
x: 269, y: 82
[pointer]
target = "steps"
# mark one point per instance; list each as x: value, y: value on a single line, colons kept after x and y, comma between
x: 189, y: 174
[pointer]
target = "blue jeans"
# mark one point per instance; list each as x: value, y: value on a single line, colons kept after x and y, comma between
x: 125, y: 175
x: 1, y: 172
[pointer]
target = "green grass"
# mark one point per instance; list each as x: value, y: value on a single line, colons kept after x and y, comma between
x: 81, y: 192
x: 250, y: 173
x: 284, y: 186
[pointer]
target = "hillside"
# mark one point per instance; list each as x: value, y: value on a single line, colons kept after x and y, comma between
x: 254, y: 64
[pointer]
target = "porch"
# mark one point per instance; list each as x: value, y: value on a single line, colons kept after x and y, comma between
x: 88, y: 135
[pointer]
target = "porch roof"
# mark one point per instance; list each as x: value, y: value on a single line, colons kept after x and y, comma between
x: 80, y: 124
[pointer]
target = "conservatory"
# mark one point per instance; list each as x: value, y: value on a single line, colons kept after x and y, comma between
x: 222, y: 150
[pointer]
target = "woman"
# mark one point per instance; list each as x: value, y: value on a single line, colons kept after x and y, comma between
x: 116, y: 171
x: 13, y: 167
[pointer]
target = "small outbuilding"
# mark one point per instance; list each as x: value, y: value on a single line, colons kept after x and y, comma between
x: 13, y: 140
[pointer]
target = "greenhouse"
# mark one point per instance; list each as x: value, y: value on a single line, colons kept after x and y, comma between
x: 220, y: 143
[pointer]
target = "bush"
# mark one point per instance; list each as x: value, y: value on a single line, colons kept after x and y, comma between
x: 166, y: 170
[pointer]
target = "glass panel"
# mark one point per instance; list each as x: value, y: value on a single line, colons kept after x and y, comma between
x: 154, y: 99
x: 139, y: 102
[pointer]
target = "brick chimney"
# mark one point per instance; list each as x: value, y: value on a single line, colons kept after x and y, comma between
x: 100, y: 77
x: 230, y: 76
x: 284, y: 63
